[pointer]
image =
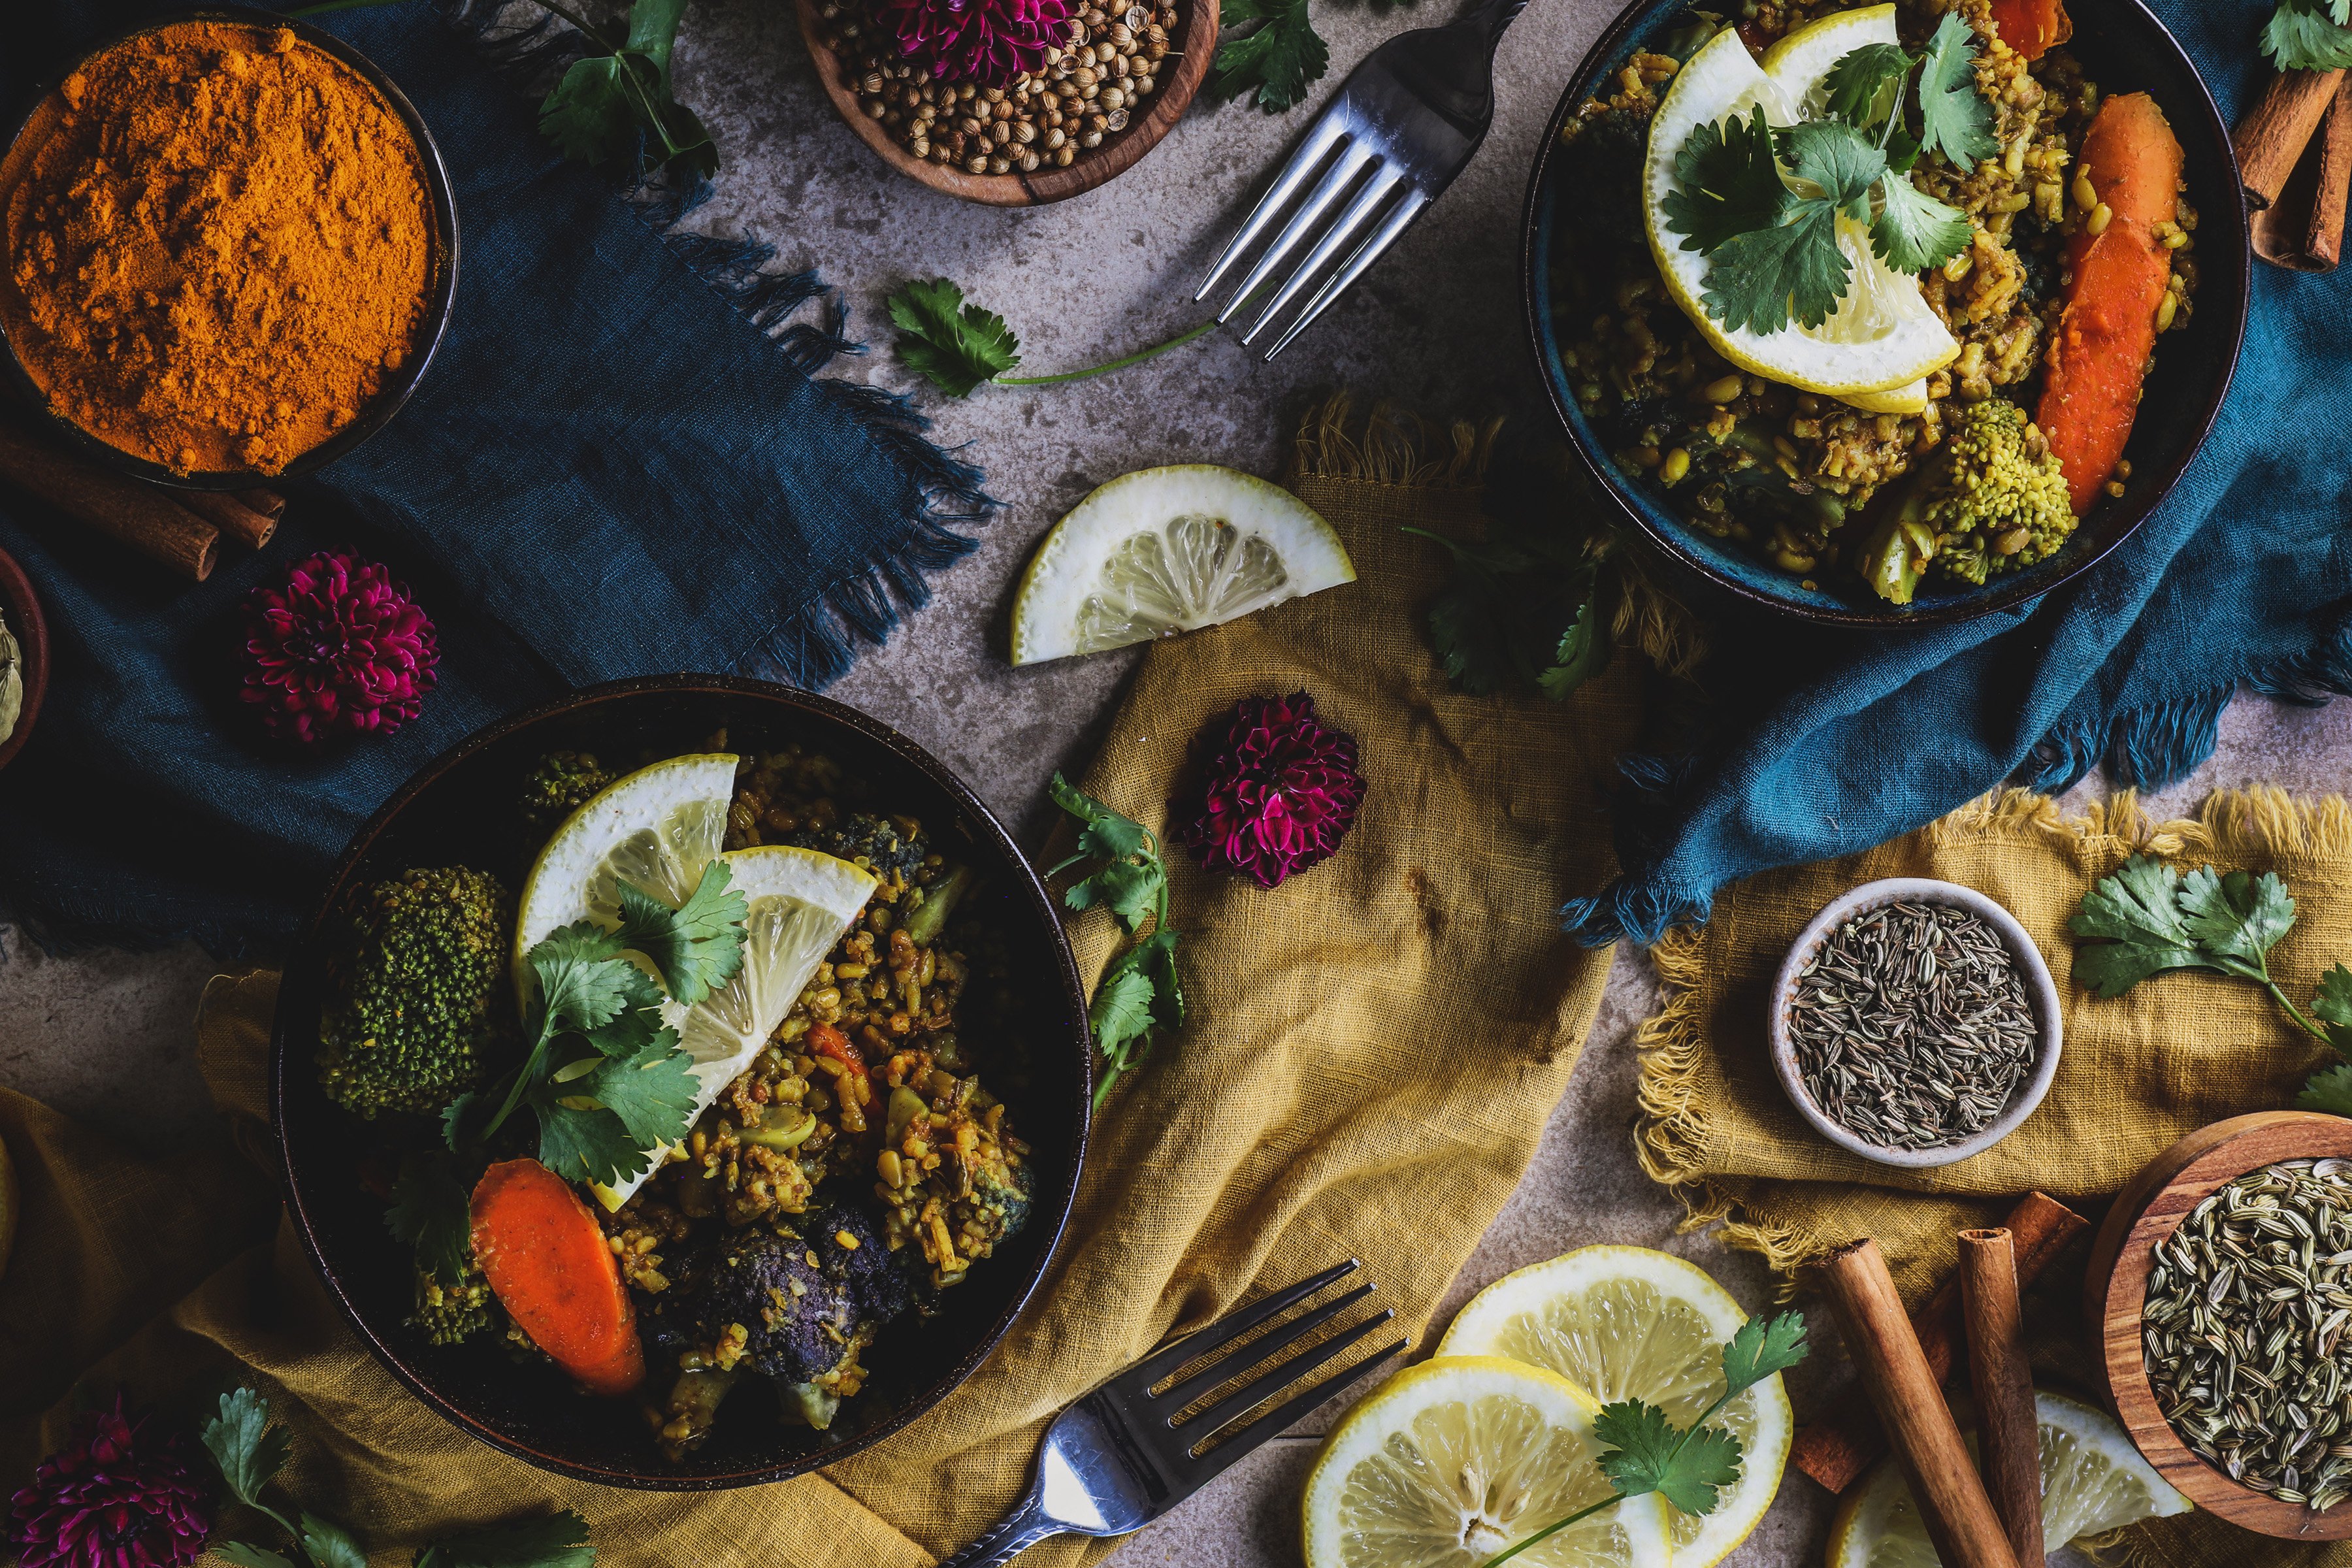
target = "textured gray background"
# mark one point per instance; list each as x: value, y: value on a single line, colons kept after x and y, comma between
x: 1435, y: 328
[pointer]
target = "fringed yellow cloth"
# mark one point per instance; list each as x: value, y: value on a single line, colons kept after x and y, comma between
x: 2137, y: 1072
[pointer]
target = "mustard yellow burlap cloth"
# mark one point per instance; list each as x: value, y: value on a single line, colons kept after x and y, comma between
x: 2138, y: 1071
x: 1375, y: 1049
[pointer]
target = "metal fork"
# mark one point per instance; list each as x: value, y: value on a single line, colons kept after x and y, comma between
x: 1404, y: 123
x: 1120, y: 1458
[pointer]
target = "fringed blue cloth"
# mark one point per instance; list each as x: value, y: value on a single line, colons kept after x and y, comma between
x: 1819, y: 744
x: 623, y: 461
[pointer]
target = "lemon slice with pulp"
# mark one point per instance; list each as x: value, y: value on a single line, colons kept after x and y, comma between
x: 1625, y: 1322
x: 800, y: 902
x: 1449, y: 1462
x: 2092, y: 1480
x: 1170, y: 549
x: 1882, y: 336
x: 655, y: 828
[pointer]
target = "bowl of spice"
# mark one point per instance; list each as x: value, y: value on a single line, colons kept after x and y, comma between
x: 230, y: 246
x: 2220, y: 1292
x: 1010, y: 103
x: 23, y: 657
x: 1914, y: 1023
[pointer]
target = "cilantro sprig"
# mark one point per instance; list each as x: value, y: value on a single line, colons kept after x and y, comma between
x: 2310, y: 35
x: 1522, y: 608
x: 1771, y: 245
x: 1688, y: 1465
x: 2148, y: 920
x: 1140, y: 993
x: 958, y: 347
x: 249, y: 1452
x: 1269, y: 52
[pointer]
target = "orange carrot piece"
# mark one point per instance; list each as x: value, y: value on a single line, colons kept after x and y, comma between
x: 549, y: 1265
x: 2032, y: 28
x: 2116, y: 284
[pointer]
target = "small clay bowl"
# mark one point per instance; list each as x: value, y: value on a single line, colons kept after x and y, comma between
x: 2114, y: 1290
x: 2040, y: 991
x: 440, y: 295
x: 1194, y: 43
x: 23, y: 613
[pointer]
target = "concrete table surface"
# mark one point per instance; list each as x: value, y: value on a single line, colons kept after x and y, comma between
x: 1435, y: 328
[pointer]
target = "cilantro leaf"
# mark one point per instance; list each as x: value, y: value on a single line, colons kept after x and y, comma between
x: 1912, y: 230
x: 1954, y: 118
x: 1648, y: 1453
x: 1277, y: 60
x: 1106, y: 835
x: 581, y: 1140
x: 1121, y: 1012
x: 1761, y: 1348
x: 433, y: 1212
x: 2309, y: 35
x: 1128, y: 891
x: 2330, y: 1091
x: 248, y: 1450
x: 628, y: 1031
x: 557, y: 1541
x: 2138, y: 913
x: 330, y: 1545
x: 1866, y: 86
x: 2237, y: 916
x: 2333, y: 1003
x: 1509, y: 613
x: 653, y: 1092
x: 245, y: 1554
x: 698, y: 946
x: 1837, y: 158
x: 1158, y: 960
x: 1762, y: 279
x: 1583, y: 652
x: 579, y: 985
x: 613, y: 105
x: 1728, y: 183
x: 952, y: 345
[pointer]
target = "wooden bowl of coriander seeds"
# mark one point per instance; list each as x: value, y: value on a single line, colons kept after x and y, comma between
x: 1093, y: 105
x: 2220, y: 1290
x: 1914, y: 1023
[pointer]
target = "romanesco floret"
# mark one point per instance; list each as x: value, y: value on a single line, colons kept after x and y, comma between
x: 872, y: 842
x: 561, y: 783
x: 451, y: 1314
x: 421, y: 1007
x: 1996, y: 497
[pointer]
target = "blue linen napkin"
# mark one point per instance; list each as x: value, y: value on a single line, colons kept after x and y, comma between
x: 612, y: 468
x: 1825, y: 743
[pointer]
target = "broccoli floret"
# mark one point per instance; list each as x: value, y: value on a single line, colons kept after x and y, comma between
x: 421, y: 1008
x: 870, y: 841
x: 1001, y: 1195
x: 450, y: 1314
x: 1996, y: 495
x: 561, y: 783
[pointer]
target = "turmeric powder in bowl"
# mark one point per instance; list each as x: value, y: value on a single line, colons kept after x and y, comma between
x: 220, y: 246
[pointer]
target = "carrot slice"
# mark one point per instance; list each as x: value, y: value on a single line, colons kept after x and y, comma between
x: 2116, y: 284
x: 550, y: 1268
x: 2032, y: 28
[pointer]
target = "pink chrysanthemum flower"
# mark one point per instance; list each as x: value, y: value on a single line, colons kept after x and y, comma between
x: 118, y: 1496
x: 342, y: 648
x: 1277, y: 794
x: 984, y: 42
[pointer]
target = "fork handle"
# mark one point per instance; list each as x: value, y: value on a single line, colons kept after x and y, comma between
x: 1008, y: 1538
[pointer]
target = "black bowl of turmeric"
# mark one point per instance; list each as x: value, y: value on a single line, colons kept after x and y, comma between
x: 231, y: 250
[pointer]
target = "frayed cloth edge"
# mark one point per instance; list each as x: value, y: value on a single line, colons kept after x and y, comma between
x: 1392, y: 446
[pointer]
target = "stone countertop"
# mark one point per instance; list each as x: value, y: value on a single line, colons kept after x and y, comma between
x: 1433, y: 328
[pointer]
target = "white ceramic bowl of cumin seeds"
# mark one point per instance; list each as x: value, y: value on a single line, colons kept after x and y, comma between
x: 2041, y: 1002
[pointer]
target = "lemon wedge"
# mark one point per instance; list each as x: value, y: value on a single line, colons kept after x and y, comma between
x: 1449, y: 1462
x: 1625, y: 1322
x: 800, y: 903
x: 2092, y: 1480
x: 1882, y: 336
x: 1162, y: 550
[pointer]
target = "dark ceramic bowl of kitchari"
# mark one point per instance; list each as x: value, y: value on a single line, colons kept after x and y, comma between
x: 1748, y: 488
x: 1002, y: 1006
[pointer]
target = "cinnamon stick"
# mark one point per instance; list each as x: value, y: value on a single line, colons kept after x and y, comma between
x: 140, y: 516
x: 268, y: 504
x: 1837, y: 1449
x: 227, y: 511
x: 2009, y: 1433
x: 2271, y: 140
x: 2304, y: 229
x: 1952, y: 1503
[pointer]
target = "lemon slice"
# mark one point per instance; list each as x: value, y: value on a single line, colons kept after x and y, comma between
x: 1882, y: 336
x: 800, y: 902
x: 1453, y: 1460
x: 2092, y: 1480
x: 1911, y: 399
x: 656, y: 828
x: 1625, y: 1322
x: 1170, y: 549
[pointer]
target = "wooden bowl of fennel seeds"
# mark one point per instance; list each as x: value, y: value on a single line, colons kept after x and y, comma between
x: 1914, y: 1023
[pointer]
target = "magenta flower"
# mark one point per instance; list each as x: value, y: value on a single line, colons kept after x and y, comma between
x: 984, y: 42
x: 1277, y: 794
x: 341, y: 648
x: 118, y: 1496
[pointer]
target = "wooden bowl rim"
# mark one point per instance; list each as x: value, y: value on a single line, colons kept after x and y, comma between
x: 1191, y: 49
x: 23, y: 608
x: 2120, y: 1261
